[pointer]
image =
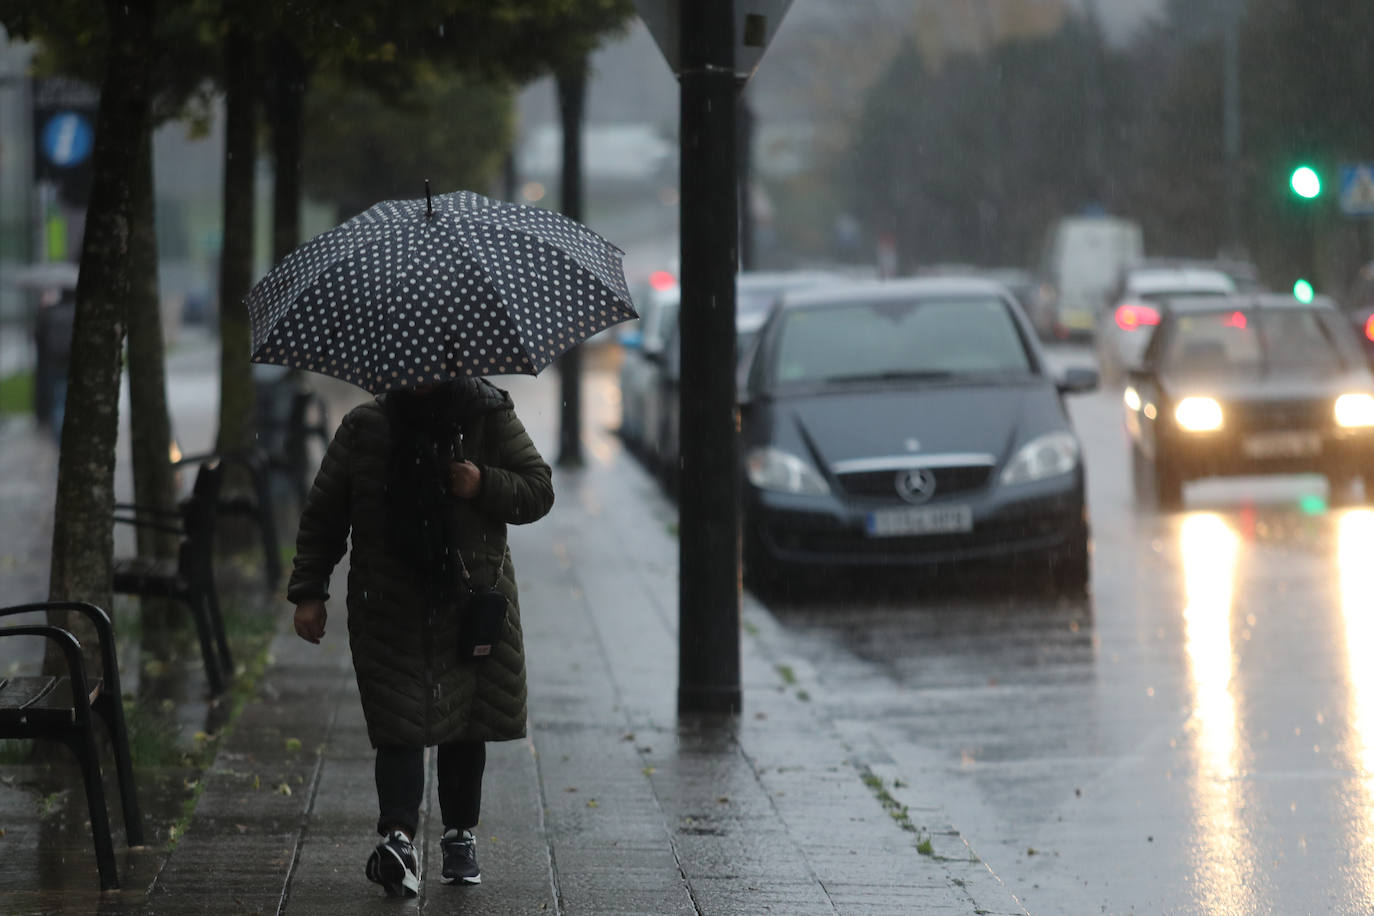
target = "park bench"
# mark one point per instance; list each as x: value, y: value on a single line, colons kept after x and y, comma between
x: 289, y: 416
x: 60, y: 708
x: 257, y: 507
x: 190, y: 579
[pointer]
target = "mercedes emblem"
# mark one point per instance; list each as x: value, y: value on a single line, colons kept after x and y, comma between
x: 916, y: 485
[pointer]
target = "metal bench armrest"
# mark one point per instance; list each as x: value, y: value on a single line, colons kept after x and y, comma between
x: 71, y: 650
x: 104, y: 630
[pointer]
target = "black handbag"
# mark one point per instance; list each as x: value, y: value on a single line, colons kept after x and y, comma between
x: 481, y: 624
x: 481, y: 618
x: 482, y: 615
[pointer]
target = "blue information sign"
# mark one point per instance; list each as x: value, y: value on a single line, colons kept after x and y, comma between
x: 67, y: 139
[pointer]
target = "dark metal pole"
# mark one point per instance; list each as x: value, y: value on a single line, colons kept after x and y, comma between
x: 572, y: 84
x: 744, y: 145
x: 1230, y: 123
x: 709, y: 585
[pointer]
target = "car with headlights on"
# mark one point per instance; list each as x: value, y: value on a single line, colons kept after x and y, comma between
x: 908, y: 423
x: 1246, y: 385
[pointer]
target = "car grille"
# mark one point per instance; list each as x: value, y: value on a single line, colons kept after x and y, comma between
x: 883, y: 484
x: 1278, y: 415
x: 995, y: 537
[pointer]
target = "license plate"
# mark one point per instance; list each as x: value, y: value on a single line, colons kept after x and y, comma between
x: 1281, y: 445
x: 1077, y: 320
x: 886, y: 523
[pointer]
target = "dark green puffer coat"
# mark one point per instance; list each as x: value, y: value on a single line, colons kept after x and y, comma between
x: 415, y: 691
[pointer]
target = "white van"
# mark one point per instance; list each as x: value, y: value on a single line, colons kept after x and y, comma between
x: 1084, y: 256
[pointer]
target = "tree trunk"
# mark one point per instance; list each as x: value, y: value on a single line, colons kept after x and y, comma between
x: 572, y: 84
x: 149, y: 424
x: 236, y: 405
x: 290, y: 73
x: 286, y: 117
x: 83, y: 540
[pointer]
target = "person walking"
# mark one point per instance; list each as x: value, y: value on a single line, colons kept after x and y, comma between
x: 426, y: 480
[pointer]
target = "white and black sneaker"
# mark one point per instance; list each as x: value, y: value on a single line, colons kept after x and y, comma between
x: 394, y: 866
x: 460, y: 857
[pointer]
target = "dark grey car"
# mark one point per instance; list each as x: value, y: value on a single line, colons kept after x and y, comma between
x: 909, y: 423
x: 1249, y: 385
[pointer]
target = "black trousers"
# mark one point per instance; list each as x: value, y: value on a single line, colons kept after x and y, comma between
x: 401, y: 785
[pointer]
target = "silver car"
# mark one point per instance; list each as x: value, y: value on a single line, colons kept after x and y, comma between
x: 1125, y: 326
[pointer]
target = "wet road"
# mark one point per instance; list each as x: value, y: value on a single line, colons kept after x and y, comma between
x: 1196, y: 737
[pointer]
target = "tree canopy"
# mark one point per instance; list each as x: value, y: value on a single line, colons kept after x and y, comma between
x: 364, y: 145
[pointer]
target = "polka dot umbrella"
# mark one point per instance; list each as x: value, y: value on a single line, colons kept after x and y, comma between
x: 414, y: 291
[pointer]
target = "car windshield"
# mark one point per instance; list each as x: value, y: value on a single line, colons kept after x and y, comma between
x: 905, y: 338
x: 1247, y: 342
x: 749, y: 303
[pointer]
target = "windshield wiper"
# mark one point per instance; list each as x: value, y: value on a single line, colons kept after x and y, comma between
x: 891, y: 375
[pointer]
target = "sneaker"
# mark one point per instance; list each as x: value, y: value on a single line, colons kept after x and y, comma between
x: 460, y: 857
x: 393, y: 865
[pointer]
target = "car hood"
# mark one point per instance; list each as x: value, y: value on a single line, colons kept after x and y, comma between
x: 1258, y: 387
x: 865, y: 422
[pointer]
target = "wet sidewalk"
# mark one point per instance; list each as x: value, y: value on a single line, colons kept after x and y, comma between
x: 613, y: 804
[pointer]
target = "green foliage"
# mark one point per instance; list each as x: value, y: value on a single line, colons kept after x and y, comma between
x: 363, y: 145
x: 521, y: 39
x: 155, y: 739
x: 387, y: 46
x: 970, y: 162
x: 1303, y: 76
x: 73, y: 40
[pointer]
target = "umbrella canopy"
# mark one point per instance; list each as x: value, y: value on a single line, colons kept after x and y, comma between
x: 416, y: 291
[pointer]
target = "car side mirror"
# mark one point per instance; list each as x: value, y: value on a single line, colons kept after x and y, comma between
x: 1078, y: 381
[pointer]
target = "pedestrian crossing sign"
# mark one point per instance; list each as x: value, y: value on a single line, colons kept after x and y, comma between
x: 1357, y: 189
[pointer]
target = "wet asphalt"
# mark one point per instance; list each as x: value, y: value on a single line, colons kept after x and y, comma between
x: 1197, y: 736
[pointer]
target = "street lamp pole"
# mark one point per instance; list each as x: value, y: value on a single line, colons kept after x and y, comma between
x: 1230, y: 125
x: 709, y: 586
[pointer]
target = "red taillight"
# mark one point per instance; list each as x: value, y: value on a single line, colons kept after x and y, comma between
x: 1131, y: 316
x: 1369, y: 328
x: 661, y: 279
x: 1236, y: 320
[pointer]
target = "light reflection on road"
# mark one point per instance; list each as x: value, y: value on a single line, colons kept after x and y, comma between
x: 1354, y: 552
x: 1223, y: 872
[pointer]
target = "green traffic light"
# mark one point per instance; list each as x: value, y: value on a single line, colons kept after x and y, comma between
x: 1302, y: 291
x: 1306, y: 182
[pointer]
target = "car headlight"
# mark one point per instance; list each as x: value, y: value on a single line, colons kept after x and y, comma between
x: 1355, y: 410
x: 1045, y: 456
x: 1198, y: 415
x: 773, y: 469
